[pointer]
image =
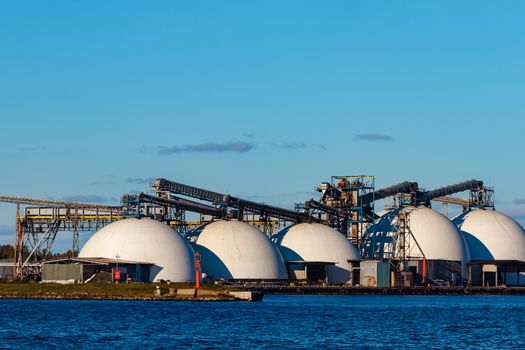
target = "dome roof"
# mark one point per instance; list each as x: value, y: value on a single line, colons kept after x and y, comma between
x: 236, y: 250
x: 437, y: 237
x: 145, y: 240
x: 491, y: 235
x: 316, y: 242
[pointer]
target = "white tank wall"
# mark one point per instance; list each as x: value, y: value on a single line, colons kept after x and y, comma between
x: 492, y: 235
x: 437, y: 236
x: 316, y: 242
x: 236, y: 250
x: 145, y: 240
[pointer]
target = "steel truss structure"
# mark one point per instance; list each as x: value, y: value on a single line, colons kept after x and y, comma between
x: 346, y: 203
x: 399, y: 243
x: 38, y: 227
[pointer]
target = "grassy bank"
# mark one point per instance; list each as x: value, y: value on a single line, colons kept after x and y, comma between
x: 145, y: 291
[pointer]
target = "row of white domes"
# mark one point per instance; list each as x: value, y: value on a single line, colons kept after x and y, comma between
x: 229, y: 249
x: 232, y: 249
x: 474, y: 235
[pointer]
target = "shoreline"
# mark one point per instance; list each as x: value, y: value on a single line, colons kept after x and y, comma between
x: 57, y: 294
x: 341, y: 290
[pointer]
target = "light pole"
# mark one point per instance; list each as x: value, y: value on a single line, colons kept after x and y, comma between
x: 116, y: 275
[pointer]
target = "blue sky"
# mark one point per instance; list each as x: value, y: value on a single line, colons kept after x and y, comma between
x: 262, y: 100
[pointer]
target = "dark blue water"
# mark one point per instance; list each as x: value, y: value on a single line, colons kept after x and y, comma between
x: 279, y: 322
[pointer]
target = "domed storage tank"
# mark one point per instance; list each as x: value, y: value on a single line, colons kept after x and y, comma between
x: 433, y: 236
x: 319, y: 243
x: 437, y: 236
x: 491, y: 235
x: 236, y: 250
x: 145, y: 240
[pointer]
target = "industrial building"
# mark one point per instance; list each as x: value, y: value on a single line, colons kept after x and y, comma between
x: 144, y: 240
x: 424, y: 240
x: 320, y: 248
x: 236, y: 250
x: 82, y: 270
x: 6, y: 269
x: 335, y: 239
x: 497, y: 248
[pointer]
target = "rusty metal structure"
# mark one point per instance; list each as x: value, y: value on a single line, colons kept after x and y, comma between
x: 349, y: 202
x: 38, y: 225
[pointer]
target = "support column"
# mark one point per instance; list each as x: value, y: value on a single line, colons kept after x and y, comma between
x: 18, y: 258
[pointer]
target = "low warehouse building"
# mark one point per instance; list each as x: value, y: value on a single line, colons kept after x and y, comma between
x: 314, y: 271
x: 80, y: 270
x: 374, y: 273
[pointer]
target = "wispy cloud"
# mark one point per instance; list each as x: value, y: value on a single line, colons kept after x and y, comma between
x: 291, y: 145
x: 210, y: 147
x: 248, y: 135
x: 373, y: 137
x: 298, y: 145
x: 519, y: 201
x: 139, y: 181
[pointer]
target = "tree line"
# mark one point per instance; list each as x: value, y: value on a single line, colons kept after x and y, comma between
x: 8, y: 252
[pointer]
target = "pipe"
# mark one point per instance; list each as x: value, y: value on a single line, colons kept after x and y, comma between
x: 403, y: 187
x: 426, y: 197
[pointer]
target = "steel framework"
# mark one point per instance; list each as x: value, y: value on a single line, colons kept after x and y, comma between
x: 227, y: 201
x: 37, y: 228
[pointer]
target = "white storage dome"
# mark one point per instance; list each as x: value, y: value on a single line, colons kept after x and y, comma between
x: 437, y: 236
x: 145, y: 240
x: 491, y: 235
x: 236, y: 250
x: 316, y: 242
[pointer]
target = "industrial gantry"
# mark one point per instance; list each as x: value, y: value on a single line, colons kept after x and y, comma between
x: 346, y: 203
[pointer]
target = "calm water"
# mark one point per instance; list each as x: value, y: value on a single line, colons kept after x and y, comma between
x: 294, y: 322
